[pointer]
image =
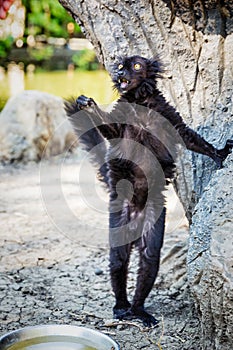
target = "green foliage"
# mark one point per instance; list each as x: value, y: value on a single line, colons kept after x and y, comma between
x: 43, y: 53
x: 85, y: 60
x: 5, y: 46
x: 47, y: 17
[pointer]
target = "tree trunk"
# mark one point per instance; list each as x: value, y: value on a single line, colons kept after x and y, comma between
x: 195, y: 41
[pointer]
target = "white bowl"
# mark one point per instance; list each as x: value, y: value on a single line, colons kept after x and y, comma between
x: 57, y: 337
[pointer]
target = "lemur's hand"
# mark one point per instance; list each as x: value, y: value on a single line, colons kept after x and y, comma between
x: 221, y: 154
x: 84, y: 102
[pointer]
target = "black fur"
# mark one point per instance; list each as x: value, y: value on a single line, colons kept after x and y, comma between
x: 142, y: 131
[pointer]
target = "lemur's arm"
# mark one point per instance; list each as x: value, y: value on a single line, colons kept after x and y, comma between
x: 191, y: 138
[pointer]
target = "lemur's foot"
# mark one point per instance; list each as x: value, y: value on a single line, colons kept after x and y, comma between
x: 223, y: 153
x: 136, y: 313
x: 120, y: 309
x: 84, y: 102
x: 147, y: 319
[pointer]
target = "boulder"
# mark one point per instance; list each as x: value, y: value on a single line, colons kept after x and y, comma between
x: 33, y: 125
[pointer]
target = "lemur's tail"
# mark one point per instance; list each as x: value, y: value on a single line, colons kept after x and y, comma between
x: 89, y: 137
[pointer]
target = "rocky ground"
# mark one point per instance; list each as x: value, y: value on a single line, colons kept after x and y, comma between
x: 54, y: 259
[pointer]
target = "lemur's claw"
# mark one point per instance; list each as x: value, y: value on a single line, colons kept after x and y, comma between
x: 223, y: 153
x: 138, y: 313
x: 229, y: 145
x: 83, y: 102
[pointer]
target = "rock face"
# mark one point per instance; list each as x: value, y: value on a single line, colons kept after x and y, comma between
x: 210, y: 251
x: 33, y: 125
x: 210, y: 260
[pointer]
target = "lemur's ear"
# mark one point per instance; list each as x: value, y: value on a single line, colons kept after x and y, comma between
x: 155, y: 67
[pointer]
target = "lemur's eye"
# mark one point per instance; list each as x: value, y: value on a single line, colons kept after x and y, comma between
x: 120, y: 66
x: 137, y: 66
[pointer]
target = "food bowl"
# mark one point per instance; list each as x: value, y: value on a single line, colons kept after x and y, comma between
x: 57, y: 337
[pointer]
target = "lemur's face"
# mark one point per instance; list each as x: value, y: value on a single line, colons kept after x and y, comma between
x: 129, y: 72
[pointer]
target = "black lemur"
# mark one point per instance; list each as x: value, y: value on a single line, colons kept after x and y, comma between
x: 131, y: 143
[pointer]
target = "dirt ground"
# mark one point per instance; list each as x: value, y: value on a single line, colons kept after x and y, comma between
x: 54, y: 259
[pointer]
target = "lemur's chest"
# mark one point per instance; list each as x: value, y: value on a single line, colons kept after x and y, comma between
x: 144, y: 140
x: 137, y: 153
x: 144, y: 144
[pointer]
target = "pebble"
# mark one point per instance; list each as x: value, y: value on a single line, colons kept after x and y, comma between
x: 98, y: 271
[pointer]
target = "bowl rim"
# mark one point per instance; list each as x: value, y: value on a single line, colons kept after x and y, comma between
x: 29, y: 332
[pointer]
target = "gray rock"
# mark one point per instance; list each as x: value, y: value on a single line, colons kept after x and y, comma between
x: 33, y: 125
x: 98, y: 271
x: 210, y: 260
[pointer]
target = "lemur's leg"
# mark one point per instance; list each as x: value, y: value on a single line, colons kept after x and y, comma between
x: 119, y: 255
x: 151, y: 244
x: 119, y: 260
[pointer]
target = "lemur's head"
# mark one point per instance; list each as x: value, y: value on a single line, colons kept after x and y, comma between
x: 130, y: 72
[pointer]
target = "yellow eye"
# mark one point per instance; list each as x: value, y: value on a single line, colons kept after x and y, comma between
x: 120, y: 66
x: 137, y: 66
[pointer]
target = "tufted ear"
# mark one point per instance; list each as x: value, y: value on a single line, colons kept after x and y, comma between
x: 155, y: 68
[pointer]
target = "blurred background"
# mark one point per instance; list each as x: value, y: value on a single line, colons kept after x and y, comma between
x: 42, y: 48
